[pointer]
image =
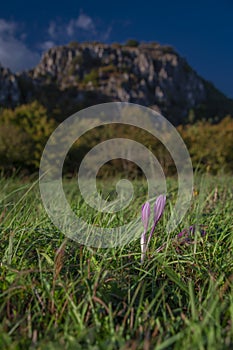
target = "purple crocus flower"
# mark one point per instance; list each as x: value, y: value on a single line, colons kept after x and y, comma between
x: 185, y: 236
x: 191, y: 231
x: 158, y: 211
x: 145, y: 214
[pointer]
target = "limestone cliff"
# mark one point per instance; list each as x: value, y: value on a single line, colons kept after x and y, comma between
x: 75, y: 76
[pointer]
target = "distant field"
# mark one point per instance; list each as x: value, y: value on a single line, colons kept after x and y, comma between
x: 56, y: 294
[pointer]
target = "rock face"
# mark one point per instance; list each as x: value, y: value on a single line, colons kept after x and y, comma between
x: 75, y: 76
x: 9, y: 89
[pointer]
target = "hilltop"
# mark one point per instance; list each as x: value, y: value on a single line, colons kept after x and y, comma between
x: 75, y: 76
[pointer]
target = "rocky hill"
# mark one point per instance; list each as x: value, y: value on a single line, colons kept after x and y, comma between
x: 75, y: 76
x: 9, y: 89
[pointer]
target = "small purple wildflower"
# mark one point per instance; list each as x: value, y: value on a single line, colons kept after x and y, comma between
x: 145, y: 214
x: 185, y: 236
x: 158, y: 211
x: 190, y: 231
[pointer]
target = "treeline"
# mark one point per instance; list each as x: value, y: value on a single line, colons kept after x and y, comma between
x: 25, y: 130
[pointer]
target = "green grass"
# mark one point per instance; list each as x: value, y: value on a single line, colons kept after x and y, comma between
x: 56, y: 294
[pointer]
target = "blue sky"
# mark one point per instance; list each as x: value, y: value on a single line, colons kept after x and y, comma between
x: 201, y: 31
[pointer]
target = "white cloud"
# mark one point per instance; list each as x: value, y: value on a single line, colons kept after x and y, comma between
x: 14, y: 53
x: 70, y: 29
x: 46, y: 45
x: 81, y: 28
x: 85, y: 22
x: 106, y: 34
x: 7, y: 27
x: 52, y: 29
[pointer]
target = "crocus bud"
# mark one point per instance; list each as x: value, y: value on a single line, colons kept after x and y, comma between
x: 145, y: 214
x: 159, y: 207
x: 158, y: 211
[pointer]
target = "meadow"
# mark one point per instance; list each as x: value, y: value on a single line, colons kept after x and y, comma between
x: 57, y: 294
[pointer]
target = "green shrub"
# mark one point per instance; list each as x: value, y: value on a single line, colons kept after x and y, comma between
x: 210, y: 146
x: 132, y: 43
x: 15, y: 147
x: 108, y: 69
x: 93, y: 77
x: 74, y: 44
x: 30, y: 124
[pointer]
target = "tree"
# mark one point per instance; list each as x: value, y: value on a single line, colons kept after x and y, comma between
x: 29, y: 122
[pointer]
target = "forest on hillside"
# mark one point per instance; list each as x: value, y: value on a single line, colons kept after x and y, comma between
x: 28, y: 127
